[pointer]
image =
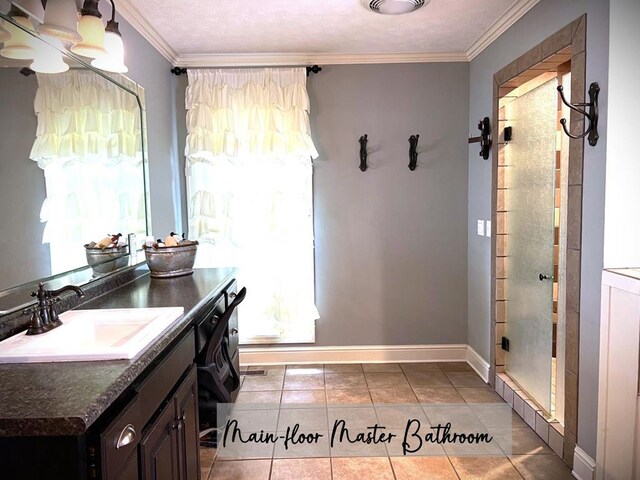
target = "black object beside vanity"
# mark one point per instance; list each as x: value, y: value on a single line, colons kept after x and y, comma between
x: 120, y: 419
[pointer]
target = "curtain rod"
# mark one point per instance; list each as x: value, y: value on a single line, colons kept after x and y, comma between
x: 312, y: 69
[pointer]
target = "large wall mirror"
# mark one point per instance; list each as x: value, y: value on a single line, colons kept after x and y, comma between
x: 72, y: 168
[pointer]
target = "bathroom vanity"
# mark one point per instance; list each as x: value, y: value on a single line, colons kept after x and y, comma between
x: 117, y: 419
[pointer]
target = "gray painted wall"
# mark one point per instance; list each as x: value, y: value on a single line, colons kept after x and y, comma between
x: 390, y: 243
x: 22, y: 188
x: 150, y: 69
x: 543, y: 20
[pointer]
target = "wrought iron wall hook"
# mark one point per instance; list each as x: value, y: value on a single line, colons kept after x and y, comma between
x: 485, y: 137
x: 363, y: 152
x: 591, y: 115
x: 413, y: 154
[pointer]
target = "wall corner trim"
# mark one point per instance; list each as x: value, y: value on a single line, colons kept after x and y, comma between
x: 277, y: 355
x: 479, y: 364
x: 501, y: 25
x: 584, y: 467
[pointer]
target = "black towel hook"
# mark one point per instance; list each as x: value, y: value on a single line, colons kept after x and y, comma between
x: 485, y: 137
x: 413, y: 154
x: 363, y: 152
x: 591, y: 115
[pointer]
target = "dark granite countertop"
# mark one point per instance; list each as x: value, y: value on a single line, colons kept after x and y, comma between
x: 66, y: 398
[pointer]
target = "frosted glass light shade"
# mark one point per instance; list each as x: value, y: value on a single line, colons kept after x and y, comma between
x: 20, y: 45
x: 92, y: 31
x: 4, y: 33
x: 61, y: 21
x: 113, y: 61
x: 48, y: 60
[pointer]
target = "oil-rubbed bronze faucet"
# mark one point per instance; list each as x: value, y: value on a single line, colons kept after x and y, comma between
x: 44, y: 316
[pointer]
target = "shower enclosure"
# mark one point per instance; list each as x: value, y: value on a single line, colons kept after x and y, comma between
x: 530, y: 200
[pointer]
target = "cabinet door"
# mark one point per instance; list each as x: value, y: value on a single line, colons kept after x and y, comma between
x: 130, y: 470
x: 158, y: 449
x: 186, y: 401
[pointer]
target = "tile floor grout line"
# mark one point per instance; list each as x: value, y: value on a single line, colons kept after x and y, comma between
x: 453, y: 466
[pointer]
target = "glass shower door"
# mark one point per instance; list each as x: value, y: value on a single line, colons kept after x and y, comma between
x: 530, y: 182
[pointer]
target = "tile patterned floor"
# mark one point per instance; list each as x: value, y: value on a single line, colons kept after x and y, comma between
x: 425, y: 383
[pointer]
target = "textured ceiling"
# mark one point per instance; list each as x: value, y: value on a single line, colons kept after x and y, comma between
x: 317, y: 26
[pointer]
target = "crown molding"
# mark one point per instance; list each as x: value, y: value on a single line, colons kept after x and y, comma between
x: 501, y: 25
x: 144, y: 28
x: 283, y: 59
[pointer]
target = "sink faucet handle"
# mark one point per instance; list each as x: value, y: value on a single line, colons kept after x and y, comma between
x: 53, y: 313
x: 36, y: 325
x: 41, y: 293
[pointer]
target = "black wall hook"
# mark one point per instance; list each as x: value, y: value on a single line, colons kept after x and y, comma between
x: 363, y: 152
x: 485, y: 137
x: 592, y: 114
x: 413, y: 154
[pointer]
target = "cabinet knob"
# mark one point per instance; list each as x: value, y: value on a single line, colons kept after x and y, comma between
x: 127, y: 436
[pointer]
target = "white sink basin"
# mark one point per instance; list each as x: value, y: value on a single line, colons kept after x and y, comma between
x: 86, y: 335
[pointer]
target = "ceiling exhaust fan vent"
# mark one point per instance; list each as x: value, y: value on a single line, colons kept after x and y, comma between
x: 394, y: 7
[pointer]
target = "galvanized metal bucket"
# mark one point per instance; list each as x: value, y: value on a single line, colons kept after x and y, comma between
x: 106, y: 260
x: 169, y: 262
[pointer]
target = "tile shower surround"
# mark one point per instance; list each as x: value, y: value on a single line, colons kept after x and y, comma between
x: 425, y: 383
x: 545, y: 56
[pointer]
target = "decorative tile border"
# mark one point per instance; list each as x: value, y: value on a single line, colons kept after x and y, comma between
x: 550, y: 431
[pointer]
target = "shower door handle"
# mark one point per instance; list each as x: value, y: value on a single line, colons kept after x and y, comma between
x: 543, y: 277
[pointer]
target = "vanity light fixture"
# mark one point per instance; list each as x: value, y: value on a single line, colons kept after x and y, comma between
x: 48, y: 58
x: 20, y: 44
x: 113, y: 61
x: 61, y: 21
x: 394, y: 7
x: 91, y: 29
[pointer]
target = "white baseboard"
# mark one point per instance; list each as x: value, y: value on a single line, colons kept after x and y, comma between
x: 584, y: 467
x: 479, y: 364
x: 353, y: 354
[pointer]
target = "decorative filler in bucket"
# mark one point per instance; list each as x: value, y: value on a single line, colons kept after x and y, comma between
x: 173, y: 257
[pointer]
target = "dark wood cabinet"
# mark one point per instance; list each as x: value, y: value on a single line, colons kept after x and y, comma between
x: 130, y: 469
x: 131, y: 420
x: 159, y: 448
x: 186, y: 405
x: 169, y: 448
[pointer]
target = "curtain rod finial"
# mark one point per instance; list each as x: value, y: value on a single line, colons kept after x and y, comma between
x: 313, y: 69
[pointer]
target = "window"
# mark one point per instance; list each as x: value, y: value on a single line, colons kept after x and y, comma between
x: 249, y: 177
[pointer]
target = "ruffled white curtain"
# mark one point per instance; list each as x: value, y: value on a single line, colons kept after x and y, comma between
x: 249, y: 178
x: 88, y: 142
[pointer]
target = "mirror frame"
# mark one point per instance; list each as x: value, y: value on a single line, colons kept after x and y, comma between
x: 83, y: 275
